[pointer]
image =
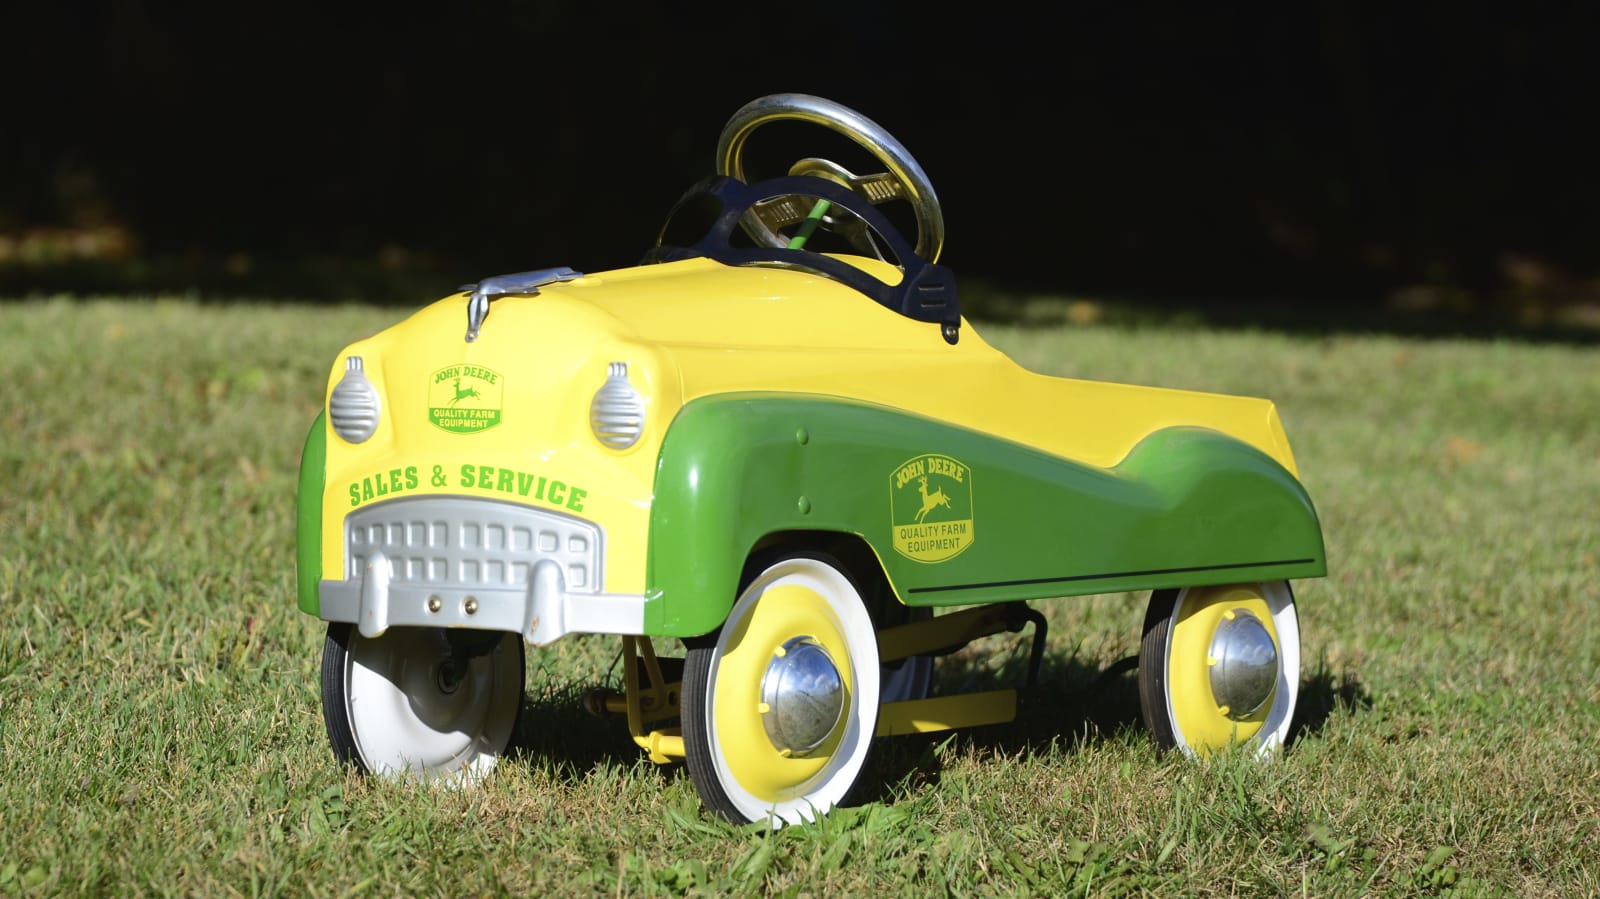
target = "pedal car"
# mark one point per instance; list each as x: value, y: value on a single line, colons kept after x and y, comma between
x: 777, y: 440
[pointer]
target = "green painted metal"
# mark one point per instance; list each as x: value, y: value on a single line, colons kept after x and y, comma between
x: 308, y: 516
x: 1188, y: 506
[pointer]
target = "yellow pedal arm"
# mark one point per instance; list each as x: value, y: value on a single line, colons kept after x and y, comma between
x: 922, y: 716
x: 643, y: 703
x: 661, y: 746
x: 941, y: 632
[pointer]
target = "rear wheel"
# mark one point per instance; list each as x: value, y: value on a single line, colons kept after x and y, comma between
x: 1219, y: 666
x: 421, y: 702
x: 780, y: 709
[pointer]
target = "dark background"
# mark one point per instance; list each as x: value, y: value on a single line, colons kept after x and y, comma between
x: 1429, y: 161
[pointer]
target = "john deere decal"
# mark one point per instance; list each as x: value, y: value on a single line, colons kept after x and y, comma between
x: 465, y: 399
x: 930, y: 499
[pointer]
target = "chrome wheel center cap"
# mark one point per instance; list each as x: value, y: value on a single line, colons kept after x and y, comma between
x: 802, y: 697
x: 1244, y: 664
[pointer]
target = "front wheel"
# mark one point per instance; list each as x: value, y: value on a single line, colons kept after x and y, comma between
x: 1219, y: 666
x: 421, y: 702
x: 780, y: 710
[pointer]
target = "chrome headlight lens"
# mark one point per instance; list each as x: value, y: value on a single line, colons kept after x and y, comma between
x: 353, y: 407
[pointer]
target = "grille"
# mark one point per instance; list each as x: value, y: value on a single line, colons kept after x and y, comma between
x: 457, y: 542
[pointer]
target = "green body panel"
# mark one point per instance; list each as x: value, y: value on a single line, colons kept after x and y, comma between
x: 1188, y: 506
x: 308, y: 516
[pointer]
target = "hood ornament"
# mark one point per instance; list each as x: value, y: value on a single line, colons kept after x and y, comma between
x: 525, y: 284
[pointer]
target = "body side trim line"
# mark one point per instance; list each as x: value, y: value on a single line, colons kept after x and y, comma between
x: 1064, y: 579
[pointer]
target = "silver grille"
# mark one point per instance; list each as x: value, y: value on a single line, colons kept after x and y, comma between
x: 459, y: 542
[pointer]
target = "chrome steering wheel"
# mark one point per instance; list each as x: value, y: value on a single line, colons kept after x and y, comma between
x: 903, y: 180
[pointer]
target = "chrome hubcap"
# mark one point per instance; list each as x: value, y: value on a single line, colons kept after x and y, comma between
x: 802, y: 697
x: 1244, y: 664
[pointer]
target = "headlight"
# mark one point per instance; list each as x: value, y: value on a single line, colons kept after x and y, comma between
x: 616, y: 415
x: 353, y: 407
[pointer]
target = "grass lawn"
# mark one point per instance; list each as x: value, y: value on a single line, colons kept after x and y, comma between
x: 162, y: 731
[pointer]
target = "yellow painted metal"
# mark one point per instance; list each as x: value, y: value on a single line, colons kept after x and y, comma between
x: 940, y: 632
x: 1204, y: 723
x: 648, y: 702
x: 549, y: 356
x: 689, y: 329
x: 780, y: 329
x: 661, y: 746
x: 644, y: 702
x: 921, y: 716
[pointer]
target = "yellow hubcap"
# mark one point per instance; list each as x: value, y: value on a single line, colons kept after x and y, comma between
x: 761, y: 768
x: 1204, y: 720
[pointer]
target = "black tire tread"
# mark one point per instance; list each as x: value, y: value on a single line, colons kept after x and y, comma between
x: 698, y: 751
x: 335, y: 687
x: 1153, y: 651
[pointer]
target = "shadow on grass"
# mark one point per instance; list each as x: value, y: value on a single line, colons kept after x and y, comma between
x: 1073, y: 704
x: 556, y: 729
x: 1323, y: 693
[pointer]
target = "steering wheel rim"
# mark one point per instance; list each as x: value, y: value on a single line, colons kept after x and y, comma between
x: 904, y: 179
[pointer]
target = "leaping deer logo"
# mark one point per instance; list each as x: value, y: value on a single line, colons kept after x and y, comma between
x: 930, y: 501
x: 471, y: 392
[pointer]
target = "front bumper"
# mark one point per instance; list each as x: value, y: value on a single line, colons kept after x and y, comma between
x: 452, y: 561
